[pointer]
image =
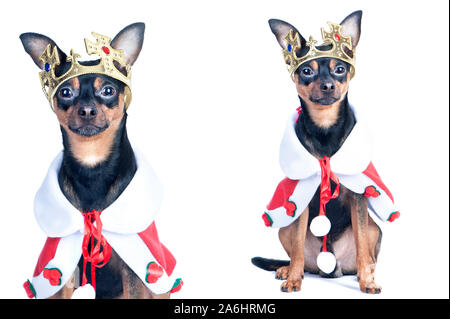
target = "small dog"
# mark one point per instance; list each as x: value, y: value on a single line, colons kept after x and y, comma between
x: 323, y: 125
x: 98, y: 162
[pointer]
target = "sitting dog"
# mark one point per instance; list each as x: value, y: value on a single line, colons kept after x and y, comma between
x: 98, y: 201
x: 321, y: 207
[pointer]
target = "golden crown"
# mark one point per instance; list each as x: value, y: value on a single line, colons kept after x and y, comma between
x: 341, y: 48
x: 102, y: 47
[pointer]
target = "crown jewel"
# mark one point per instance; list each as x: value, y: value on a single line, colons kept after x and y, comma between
x: 341, y: 48
x: 102, y: 47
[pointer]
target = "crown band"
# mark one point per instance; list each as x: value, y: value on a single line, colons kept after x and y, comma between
x: 341, y: 49
x: 102, y: 47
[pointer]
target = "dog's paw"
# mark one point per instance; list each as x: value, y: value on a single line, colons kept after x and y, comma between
x: 367, y: 280
x: 282, y: 273
x: 369, y: 287
x: 291, y: 285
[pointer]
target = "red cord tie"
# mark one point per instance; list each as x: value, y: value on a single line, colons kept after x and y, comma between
x: 100, y: 251
x: 325, y: 190
x: 325, y: 184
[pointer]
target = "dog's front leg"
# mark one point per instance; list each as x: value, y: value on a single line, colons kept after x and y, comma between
x: 365, y: 261
x: 296, y: 241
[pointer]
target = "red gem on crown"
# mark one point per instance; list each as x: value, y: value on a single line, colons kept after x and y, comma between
x: 337, y: 37
x: 105, y: 49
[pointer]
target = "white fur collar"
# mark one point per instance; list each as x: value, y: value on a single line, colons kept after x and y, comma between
x: 132, y: 212
x: 297, y: 163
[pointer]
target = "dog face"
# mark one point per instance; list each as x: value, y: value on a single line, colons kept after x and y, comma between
x: 321, y: 83
x: 89, y: 108
x: 89, y: 104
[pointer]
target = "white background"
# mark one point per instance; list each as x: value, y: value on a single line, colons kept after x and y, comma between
x: 211, y: 96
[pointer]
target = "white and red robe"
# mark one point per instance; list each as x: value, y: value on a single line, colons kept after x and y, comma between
x: 350, y: 166
x: 127, y: 226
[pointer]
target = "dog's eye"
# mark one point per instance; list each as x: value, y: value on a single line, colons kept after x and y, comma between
x: 108, y: 91
x: 339, y: 70
x: 66, y: 93
x: 307, y: 72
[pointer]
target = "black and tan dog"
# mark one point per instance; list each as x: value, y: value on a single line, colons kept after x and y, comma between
x: 98, y: 161
x: 324, y: 124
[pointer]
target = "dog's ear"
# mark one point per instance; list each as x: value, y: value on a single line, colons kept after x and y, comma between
x: 351, y: 26
x: 281, y: 29
x: 130, y: 40
x: 35, y: 44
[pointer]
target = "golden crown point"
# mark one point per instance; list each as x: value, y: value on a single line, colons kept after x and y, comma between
x: 102, y: 47
x: 341, y: 48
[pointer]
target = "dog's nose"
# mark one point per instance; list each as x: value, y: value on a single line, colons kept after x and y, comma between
x: 87, y: 112
x: 327, y: 87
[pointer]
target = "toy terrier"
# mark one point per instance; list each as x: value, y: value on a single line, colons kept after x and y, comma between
x: 322, y: 206
x: 98, y: 173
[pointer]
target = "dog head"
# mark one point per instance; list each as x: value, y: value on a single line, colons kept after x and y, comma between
x: 321, y: 83
x: 90, y: 107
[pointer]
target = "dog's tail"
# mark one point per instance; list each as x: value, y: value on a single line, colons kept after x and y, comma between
x: 269, y: 264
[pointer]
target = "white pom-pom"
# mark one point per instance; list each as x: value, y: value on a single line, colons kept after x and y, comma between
x: 320, y: 226
x: 326, y: 262
x: 84, y: 292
